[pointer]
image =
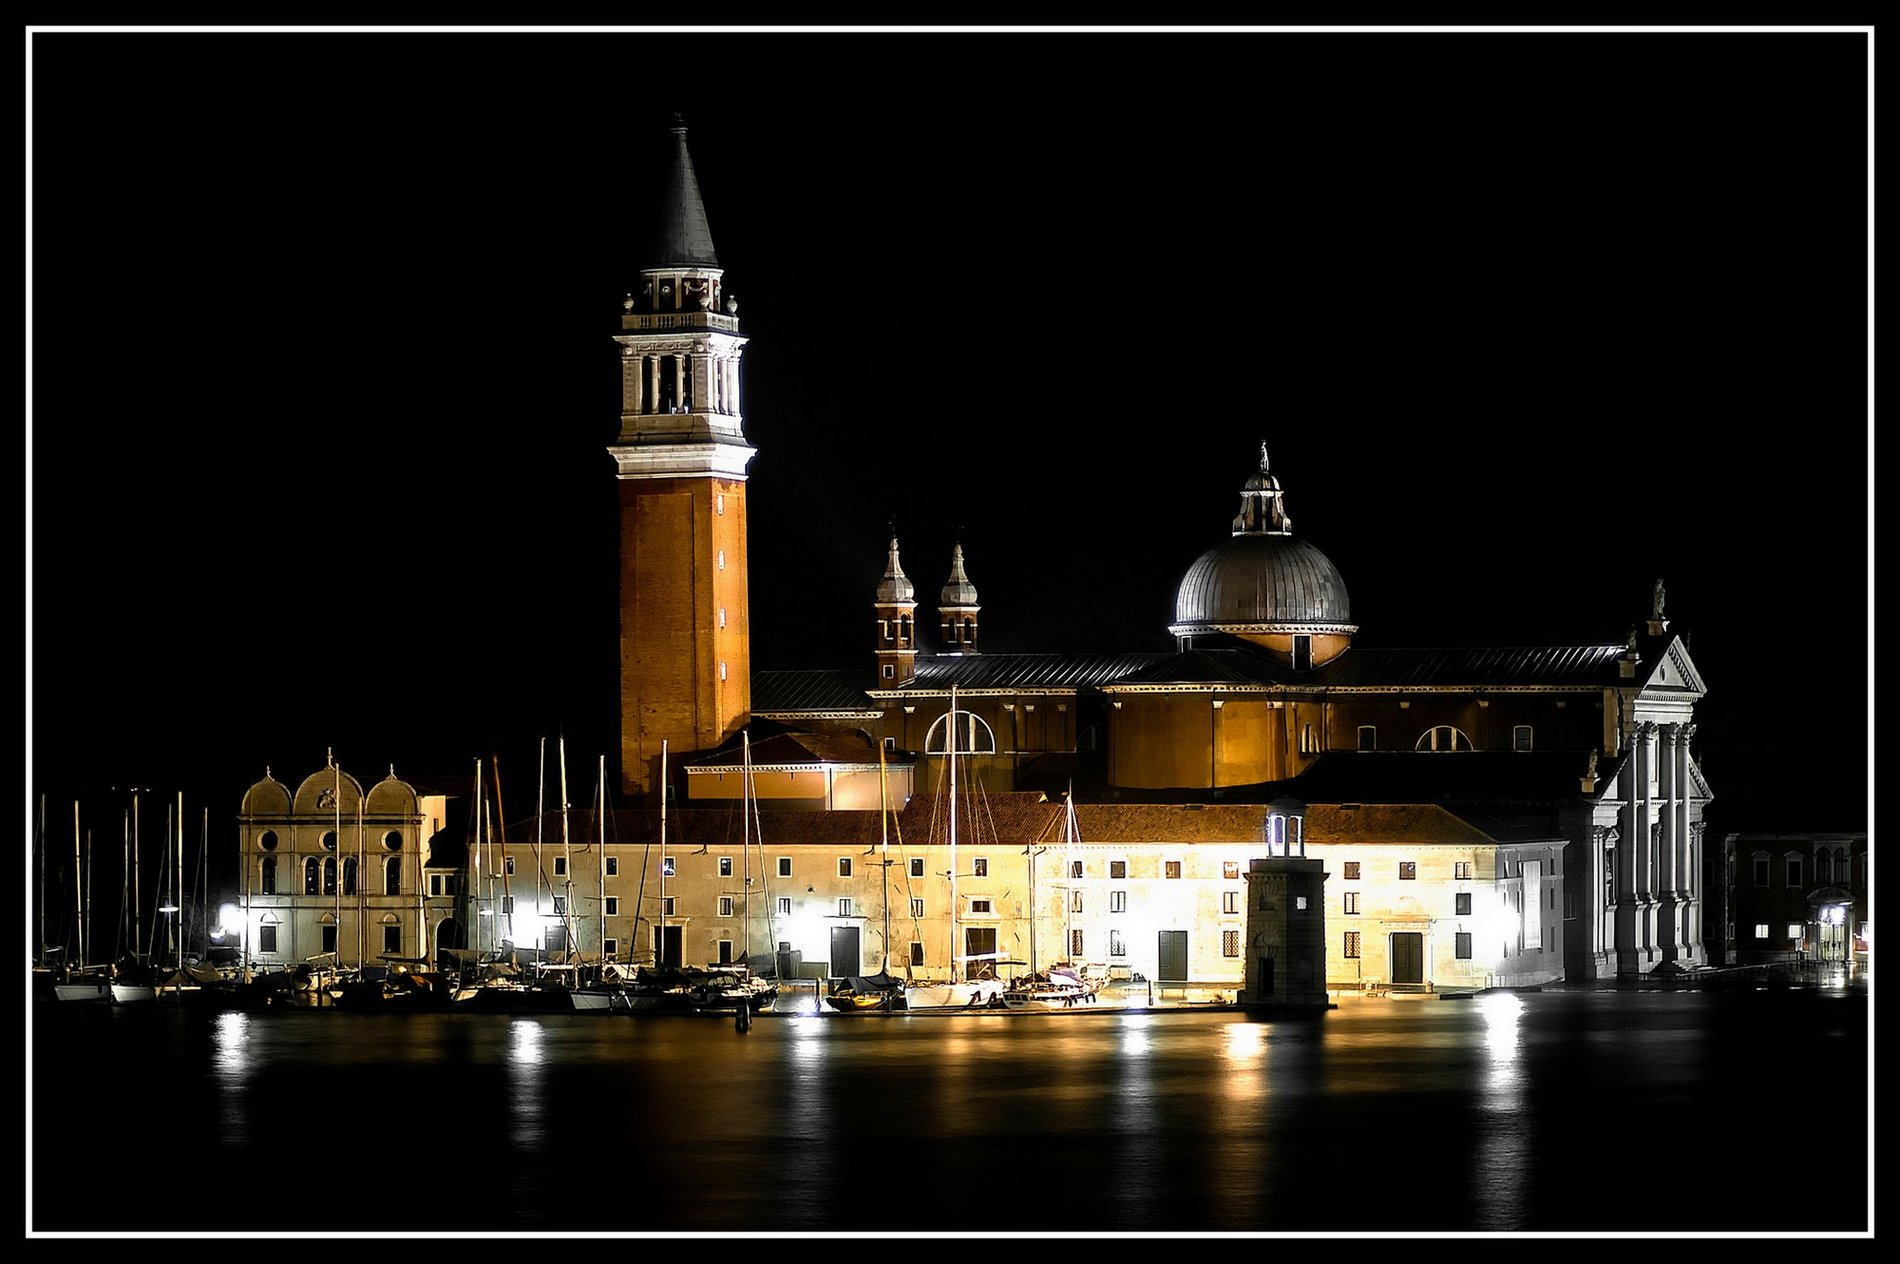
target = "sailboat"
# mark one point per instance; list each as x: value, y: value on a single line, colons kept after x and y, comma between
x: 883, y: 992
x: 959, y: 991
x: 1063, y: 985
x: 134, y: 980
x: 80, y: 981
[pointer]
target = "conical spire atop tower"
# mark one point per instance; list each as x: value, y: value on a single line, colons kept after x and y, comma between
x: 680, y: 237
x: 957, y: 606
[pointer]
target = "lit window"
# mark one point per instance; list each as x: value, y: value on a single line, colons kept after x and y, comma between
x: 1461, y: 945
x: 916, y: 907
x: 1795, y: 932
x: 1351, y: 902
x: 981, y: 867
x: 1230, y: 868
x: 725, y: 866
x: 1230, y: 943
x: 1761, y: 930
x: 1352, y: 871
x: 1230, y: 901
x: 1352, y: 943
x: 1118, y: 901
x: 1461, y: 904
x: 1299, y: 903
x: 785, y: 906
x: 1171, y: 869
x: 1408, y: 870
x: 1309, y: 740
x: 725, y: 906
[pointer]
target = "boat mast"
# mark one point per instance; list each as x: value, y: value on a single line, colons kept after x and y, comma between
x: 1069, y: 833
x: 479, y: 805
x: 79, y: 898
x: 659, y: 955
x: 41, y: 959
x: 362, y: 882
x: 746, y: 805
x: 954, y: 918
x: 601, y: 866
x: 567, y: 865
x: 540, y: 811
x: 137, y: 930
x: 884, y: 849
x: 507, y: 896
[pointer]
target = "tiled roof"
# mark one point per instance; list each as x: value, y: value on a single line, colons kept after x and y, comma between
x: 1024, y: 671
x: 1391, y: 823
x: 794, y: 748
x: 838, y: 689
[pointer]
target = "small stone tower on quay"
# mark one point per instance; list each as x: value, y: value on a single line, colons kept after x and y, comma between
x: 680, y: 460
x: 1286, y: 918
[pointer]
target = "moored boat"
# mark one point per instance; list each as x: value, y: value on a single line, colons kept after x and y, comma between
x: 1059, y: 987
x: 880, y: 993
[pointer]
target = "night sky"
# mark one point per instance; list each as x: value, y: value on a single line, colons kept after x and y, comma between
x: 323, y: 379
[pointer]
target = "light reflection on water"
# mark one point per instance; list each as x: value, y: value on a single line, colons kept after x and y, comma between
x: 1377, y: 1116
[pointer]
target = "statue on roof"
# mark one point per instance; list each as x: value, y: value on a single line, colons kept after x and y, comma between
x: 1657, y: 610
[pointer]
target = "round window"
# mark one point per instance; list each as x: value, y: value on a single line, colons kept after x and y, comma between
x: 393, y: 840
x: 268, y: 840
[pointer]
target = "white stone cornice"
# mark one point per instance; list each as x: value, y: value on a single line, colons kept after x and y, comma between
x: 681, y: 460
x: 1314, y: 629
x: 818, y: 715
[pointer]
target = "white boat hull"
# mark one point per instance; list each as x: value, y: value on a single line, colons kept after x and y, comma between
x: 134, y: 993
x: 982, y: 994
x: 86, y: 990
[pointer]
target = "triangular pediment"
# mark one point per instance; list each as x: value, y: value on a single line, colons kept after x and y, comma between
x: 1676, y: 671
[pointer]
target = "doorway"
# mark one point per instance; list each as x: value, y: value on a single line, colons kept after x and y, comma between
x: 844, y: 951
x: 1408, y: 959
x: 671, y: 947
x: 979, y: 952
x: 1171, y: 957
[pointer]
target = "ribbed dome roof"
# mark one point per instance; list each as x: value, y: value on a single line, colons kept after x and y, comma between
x: 895, y: 588
x: 1262, y: 583
x: 1262, y: 580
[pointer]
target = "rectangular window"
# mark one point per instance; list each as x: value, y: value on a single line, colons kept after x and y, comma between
x: 1230, y: 901
x: 613, y: 866
x: 1075, y: 868
x: 1761, y: 930
x: 1352, y: 870
x: 329, y: 939
x: 666, y: 906
x: 392, y: 940
x: 1075, y: 944
x: 1794, y: 871
x: 1230, y: 943
x: 560, y: 867
x: 1171, y: 869
x: 1521, y: 737
x: 1351, y: 902
x: 510, y: 861
x: 1118, y: 901
x: 666, y: 866
x: 1075, y: 901
x: 916, y: 953
x: 981, y: 867
x: 916, y: 906
x: 1461, y: 871
x: 979, y: 906
x: 1368, y: 737
x: 1230, y: 869
x: 1461, y: 904
x: 507, y: 906
x: 1352, y: 943
x: 784, y: 906
x: 1299, y: 903
x: 1761, y: 871
x: 267, y: 939
x: 916, y: 866
x: 1795, y: 931
x: 1461, y: 945
x: 784, y: 866
x: 1118, y: 868
x: 613, y: 906
x: 725, y: 866
x: 435, y: 884
x: 844, y: 866
x: 1309, y: 740
x: 560, y: 906
x: 1117, y: 946
x: 1408, y: 870
x: 844, y: 906
x: 725, y: 906
x: 611, y: 947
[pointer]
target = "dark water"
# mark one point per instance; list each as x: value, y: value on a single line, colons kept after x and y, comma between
x: 1571, y: 1111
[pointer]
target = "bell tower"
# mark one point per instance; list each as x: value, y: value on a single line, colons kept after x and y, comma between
x: 680, y: 462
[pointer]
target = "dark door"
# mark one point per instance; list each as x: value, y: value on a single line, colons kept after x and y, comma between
x: 1408, y: 957
x: 1171, y: 957
x: 979, y: 947
x: 844, y: 951
x: 672, y: 947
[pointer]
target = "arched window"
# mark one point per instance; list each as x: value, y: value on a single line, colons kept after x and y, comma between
x: 1444, y: 738
x: 267, y: 877
x: 973, y: 736
x: 329, y: 875
x: 349, y: 875
x: 1823, y: 865
x: 310, y: 876
x: 392, y: 876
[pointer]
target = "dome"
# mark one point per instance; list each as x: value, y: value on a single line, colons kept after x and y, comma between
x: 1262, y: 583
x: 1263, y: 580
x: 895, y: 588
